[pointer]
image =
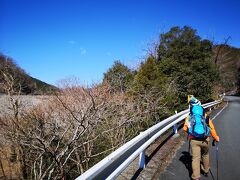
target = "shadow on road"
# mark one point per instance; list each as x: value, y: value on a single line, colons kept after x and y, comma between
x: 186, y: 159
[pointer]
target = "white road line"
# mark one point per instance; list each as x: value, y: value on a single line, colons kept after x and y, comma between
x: 220, y: 111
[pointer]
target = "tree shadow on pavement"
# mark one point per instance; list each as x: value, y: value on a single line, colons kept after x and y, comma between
x: 186, y: 159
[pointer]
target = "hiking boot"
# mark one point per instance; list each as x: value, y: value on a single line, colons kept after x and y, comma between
x: 205, y: 174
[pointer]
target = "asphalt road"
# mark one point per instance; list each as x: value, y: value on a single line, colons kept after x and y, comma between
x: 227, y: 124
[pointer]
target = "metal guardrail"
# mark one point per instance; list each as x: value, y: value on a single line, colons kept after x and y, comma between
x: 115, y: 163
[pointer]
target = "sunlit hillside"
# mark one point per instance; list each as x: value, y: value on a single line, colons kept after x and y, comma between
x: 11, y: 73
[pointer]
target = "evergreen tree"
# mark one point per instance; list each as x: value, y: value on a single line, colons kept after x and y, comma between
x: 186, y: 58
x: 148, y: 76
x: 183, y: 45
x: 119, y: 77
x: 153, y: 88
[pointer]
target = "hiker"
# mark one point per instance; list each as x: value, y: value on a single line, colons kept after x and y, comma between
x: 199, y: 126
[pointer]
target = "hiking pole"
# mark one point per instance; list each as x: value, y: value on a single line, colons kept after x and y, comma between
x: 217, y: 158
x: 213, y: 144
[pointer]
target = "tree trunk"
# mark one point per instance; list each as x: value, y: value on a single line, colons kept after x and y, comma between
x: 3, y: 172
x: 23, y: 163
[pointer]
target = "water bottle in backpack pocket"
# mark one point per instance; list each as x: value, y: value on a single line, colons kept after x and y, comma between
x: 198, y: 126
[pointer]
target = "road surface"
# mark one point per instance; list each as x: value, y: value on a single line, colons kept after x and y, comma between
x: 227, y: 124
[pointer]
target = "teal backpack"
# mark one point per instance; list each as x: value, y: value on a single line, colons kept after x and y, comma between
x: 199, y: 125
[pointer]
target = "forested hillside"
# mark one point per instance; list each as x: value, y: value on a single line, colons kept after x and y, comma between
x: 13, y: 75
x: 228, y: 60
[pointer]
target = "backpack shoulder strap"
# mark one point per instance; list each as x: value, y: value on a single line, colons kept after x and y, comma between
x: 207, y: 120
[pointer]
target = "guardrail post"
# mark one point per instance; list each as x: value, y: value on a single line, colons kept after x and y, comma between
x: 142, y: 160
x: 175, y: 129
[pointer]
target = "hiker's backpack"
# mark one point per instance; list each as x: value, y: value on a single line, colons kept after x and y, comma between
x: 198, y: 125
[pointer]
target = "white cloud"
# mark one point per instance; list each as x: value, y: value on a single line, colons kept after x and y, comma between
x: 83, y: 51
x: 72, y: 42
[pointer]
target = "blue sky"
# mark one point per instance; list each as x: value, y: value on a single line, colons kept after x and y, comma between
x: 57, y: 39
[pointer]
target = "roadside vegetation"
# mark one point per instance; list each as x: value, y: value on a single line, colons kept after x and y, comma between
x: 77, y: 126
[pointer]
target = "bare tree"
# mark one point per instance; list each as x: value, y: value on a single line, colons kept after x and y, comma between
x: 67, y: 134
x: 9, y: 144
x: 77, y: 127
x: 219, y: 50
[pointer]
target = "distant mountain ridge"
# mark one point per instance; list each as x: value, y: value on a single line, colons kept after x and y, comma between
x: 13, y: 75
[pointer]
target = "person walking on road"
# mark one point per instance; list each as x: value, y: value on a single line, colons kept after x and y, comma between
x: 199, y: 126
